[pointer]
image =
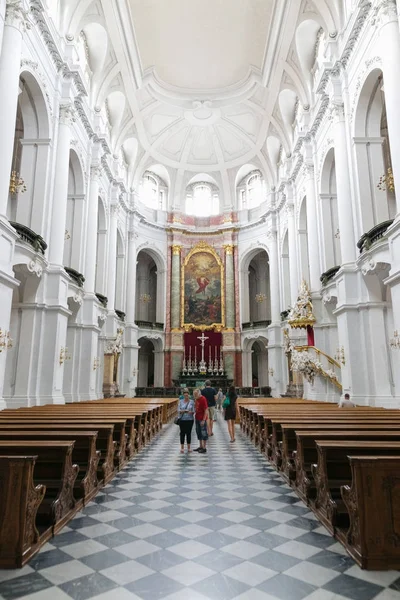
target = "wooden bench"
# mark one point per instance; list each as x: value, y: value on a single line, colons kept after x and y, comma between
x: 372, y: 501
x: 55, y: 470
x: 104, y: 443
x: 305, y: 455
x: 84, y: 454
x: 333, y: 471
x: 50, y: 417
x: 19, y: 502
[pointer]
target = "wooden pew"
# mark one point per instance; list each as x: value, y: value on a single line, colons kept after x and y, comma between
x: 19, y: 503
x: 333, y: 471
x: 118, y: 424
x: 54, y: 469
x: 372, y: 501
x: 84, y: 454
x: 104, y: 443
x: 305, y: 455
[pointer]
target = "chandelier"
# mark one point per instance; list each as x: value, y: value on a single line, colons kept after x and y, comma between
x: 146, y: 298
x: 386, y: 182
x: 260, y: 298
x: 17, y: 184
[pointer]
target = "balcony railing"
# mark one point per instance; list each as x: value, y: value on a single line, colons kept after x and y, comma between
x: 30, y: 237
x: 328, y: 275
x: 150, y: 325
x: 256, y: 324
x: 373, y: 235
x: 102, y: 299
x: 78, y: 278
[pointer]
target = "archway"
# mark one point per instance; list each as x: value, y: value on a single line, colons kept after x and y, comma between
x: 146, y: 363
x: 255, y: 361
x: 75, y: 220
x: 377, y: 203
x: 285, y: 289
x: 303, y: 243
x: 146, y: 289
x: 255, y: 288
x: 329, y: 210
x: 31, y: 158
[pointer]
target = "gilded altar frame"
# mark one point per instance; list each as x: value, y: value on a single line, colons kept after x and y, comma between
x: 203, y: 247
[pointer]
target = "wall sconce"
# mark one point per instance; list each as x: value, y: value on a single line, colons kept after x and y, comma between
x: 339, y: 356
x: 67, y: 235
x: 337, y: 234
x: 96, y: 363
x: 395, y: 341
x: 17, y: 184
x: 64, y: 355
x: 146, y: 298
x: 260, y: 298
x: 271, y: 371
x: 135, y: 371
x: 5, y: 340
x: 386, y: 182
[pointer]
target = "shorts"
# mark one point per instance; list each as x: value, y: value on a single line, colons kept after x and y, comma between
x: 211, y: 413
x: 201, y: 431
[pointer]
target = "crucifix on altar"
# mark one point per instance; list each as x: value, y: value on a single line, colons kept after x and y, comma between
x: 202, y: 365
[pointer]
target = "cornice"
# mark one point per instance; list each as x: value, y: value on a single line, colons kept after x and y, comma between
x: 38, y: 12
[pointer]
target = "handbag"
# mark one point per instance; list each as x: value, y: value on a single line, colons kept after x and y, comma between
x: 177, y: 420
x: 226, y: 402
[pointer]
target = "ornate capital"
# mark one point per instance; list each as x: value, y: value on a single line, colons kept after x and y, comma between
x: 289, y: 209
x: 95, y: 172
x: 228, y: 249
x: 114, y: 210
x: 176, y: 250
x: 386, y: 12
x: 16, y: 15
x: 133, y: 236
x: 67, y: 114
x: 337, y: 112
x: 308, y: 170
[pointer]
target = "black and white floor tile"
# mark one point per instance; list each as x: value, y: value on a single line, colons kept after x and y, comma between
x: 218, y: 526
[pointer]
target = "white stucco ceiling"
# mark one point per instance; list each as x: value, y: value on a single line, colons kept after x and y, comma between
x: 201, y: 44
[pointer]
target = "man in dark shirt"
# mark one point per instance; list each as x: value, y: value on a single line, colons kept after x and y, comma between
x: 210, y: 394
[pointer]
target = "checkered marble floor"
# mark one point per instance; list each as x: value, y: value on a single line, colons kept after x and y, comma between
x: 219, y: 526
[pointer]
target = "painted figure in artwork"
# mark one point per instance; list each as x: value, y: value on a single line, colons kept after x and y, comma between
x: 202, y: 289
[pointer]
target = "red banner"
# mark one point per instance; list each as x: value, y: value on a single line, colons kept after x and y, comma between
x: 212, y: 345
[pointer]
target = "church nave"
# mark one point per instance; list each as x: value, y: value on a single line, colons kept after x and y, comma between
x: 219, y: 526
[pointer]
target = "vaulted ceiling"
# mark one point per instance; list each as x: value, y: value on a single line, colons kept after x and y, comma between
x: 200, y: 85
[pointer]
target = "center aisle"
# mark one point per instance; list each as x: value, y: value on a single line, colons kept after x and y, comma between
x: 217, y: 526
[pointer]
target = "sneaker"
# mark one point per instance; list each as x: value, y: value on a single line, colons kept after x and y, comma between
x: 197, y: 449
x: 202, y: 450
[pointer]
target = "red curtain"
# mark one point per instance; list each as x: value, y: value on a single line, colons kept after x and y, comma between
x: 310, y: 336
x: 214, y: 342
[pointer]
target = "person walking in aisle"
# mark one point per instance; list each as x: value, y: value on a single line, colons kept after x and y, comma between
x: 186, y: 419
x: 230, y: 411
x: 220, y: 399
x: 201, y: 418
x: 210, y: 394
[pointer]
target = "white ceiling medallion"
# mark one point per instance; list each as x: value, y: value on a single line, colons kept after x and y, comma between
x: 203, y: 113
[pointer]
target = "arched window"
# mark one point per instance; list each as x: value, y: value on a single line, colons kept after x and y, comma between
x: 251, y: 191
x: 254, y: 191
x: 202, y: 201
x: 153, y: 191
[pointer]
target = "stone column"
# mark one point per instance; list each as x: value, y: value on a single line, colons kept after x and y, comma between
x: 91, y: 234
x: 112, y: 256
x: 176, y: 287
x: 312, y: 228
x: 274, y: 278
x: 10, y: 66
x: 230, y: 287
x: 390, y: 50
x: 131, y: 348
x: 60, y: 192
x: 293, y: 272
x: 344, y: 203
